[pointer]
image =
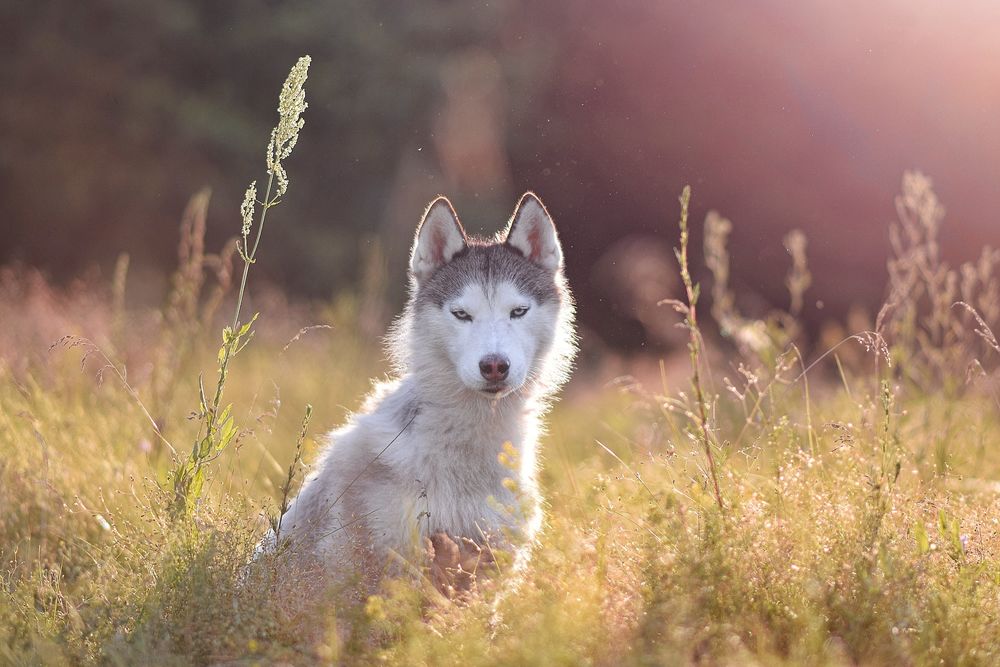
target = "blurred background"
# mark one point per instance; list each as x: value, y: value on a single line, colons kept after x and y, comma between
x: 780, y: 115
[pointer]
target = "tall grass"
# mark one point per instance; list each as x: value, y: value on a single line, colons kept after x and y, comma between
x: 689, y: 310
x: 217, y: 427
x: 860, y: 515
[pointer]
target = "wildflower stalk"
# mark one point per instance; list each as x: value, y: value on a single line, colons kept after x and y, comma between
x: 690, y: 313
x: 293, y: 468
x: 217, y: 428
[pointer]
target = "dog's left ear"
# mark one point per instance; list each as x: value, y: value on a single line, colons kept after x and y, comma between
x: 533, y: 233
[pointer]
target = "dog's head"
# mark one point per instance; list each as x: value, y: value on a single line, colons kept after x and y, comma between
x: 488, y: 312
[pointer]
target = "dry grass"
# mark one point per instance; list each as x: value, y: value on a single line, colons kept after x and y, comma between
x: 860, y: 521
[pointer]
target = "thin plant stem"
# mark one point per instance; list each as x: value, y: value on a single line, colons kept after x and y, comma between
x: 694, y: 344
x: 805, y: 384
x: 248, y: 259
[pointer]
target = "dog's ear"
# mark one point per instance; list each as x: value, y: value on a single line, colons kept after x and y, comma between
x: 533, y: 233
x: 439, y: 238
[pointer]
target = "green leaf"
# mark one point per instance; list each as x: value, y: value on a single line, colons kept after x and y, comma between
x: 204, y: 447
x: 227, y: 432
x: 246, y: 327
x: 197, y: 482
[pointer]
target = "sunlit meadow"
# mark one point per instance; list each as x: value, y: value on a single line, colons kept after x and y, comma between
x: 779, y: 502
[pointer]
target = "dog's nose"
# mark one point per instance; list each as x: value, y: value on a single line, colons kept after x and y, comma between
x: 494, y: 367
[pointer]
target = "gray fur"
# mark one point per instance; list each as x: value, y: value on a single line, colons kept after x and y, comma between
x: 488, y: 263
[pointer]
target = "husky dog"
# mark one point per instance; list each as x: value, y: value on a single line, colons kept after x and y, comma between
x: 449, y: 447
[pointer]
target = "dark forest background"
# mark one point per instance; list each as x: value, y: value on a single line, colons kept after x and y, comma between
x: 780, y: 115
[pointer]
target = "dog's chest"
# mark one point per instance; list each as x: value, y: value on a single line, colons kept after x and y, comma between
x: 458, y: 482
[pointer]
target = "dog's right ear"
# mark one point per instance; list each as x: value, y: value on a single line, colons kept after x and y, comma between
x: 439, y: 238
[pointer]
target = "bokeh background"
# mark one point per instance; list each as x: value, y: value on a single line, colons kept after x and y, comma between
x: 781, y: 115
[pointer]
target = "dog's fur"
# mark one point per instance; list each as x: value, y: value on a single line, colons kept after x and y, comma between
x: 423, y: 456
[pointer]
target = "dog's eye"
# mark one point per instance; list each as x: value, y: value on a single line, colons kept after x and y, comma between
x: 462, y: 315
x: 518, y: 312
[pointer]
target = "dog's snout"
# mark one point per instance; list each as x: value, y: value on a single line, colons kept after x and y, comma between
x: 494, y: 367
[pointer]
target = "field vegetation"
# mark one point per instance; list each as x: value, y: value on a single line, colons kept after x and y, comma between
x: 783, y: 502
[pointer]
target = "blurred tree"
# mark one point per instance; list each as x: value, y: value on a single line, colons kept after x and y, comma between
x: 779, y: 115
x: 115, y: 111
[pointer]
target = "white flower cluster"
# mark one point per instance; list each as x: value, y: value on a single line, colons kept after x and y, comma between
x: 291, y: 104
x: 247, y: 208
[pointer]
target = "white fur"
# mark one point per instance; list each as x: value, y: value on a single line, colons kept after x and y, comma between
x: 422, y: 456
x: 492, y: 331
